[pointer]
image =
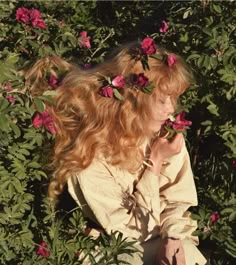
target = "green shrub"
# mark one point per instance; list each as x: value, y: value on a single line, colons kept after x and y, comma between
x: 31, y: 230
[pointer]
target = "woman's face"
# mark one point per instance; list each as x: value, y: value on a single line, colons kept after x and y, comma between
x: 161, y: 110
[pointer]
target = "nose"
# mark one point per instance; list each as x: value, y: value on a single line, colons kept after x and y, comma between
x: 169, y: 108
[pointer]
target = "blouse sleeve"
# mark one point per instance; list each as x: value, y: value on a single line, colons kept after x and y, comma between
x: 177, y: 194
x: 116, y: 208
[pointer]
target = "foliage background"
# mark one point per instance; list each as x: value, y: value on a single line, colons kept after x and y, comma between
x: 202, y: 32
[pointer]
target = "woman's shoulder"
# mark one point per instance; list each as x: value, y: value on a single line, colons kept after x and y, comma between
x: 101, y: 170
x: 96, y: 166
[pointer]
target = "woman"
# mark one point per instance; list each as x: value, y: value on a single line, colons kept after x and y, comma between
x: 109, y: 151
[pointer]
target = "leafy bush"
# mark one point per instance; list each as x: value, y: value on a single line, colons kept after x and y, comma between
x: 31, y: 230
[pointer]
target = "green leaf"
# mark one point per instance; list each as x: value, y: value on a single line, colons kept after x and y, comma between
x: 4, y: 123
x: 40, y: 106
x: 226, y: 210
x: 117, y: 94
x: 232, y: 216
x: 217, y: 8
x: 4, y: 103
x: 50, y: 93
x: 195, y: 216
x: 157, y: 56
x: 213, y: 109
x: 16, y: 129
x: 34, y: 164
x: 12, y: 58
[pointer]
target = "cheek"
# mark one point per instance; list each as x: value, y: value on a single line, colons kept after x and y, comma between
x: 157, y: 111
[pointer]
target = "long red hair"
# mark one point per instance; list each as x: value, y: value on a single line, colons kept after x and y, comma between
x: 89, y: 125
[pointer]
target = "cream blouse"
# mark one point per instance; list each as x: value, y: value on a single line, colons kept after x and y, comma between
x: 157, y: 206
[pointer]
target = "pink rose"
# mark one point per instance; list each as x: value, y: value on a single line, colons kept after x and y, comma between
x: 42, y: 250
x: 107, y: 91
x: 148, y: 46
x: 45, y: 120
x: 34, y: 14
x: 171, y: 60
x: 37, y: 121
x: 39, y: 23
x: 84, y: 40
x: 11, y: 99
x: 35, y: 18
x: 164, y: 26
x: 215, y: 217
x: 179, y: 123
x: 53, y: 82
x: 23, y: 14
x: 141, y: 80
x: 118, y: 81
x: 48, y: 122
x: 8, y: 87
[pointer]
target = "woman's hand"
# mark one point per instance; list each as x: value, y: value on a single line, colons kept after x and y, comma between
x: 162, y: 149
x: 171, y: 252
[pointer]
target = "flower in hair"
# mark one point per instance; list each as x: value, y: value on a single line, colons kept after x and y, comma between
x: 141, y: 82
x: 112, y: 88
x: 118, y: 81
x: 148, y: 49
x: 148, y: 46
x: 53, y: 81
x: 171, y: 59
x: 164, y: 26
x: 107, y: 91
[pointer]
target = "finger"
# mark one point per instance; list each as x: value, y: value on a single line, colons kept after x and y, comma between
x: 178, y: 137
x: 180, y: 256
x: 178, y: 141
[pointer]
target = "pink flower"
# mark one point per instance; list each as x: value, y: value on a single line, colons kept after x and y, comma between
x: 23, y: 14
x: 45, y: 120
x: 11, y: 99
x: 171, y: 60
x: 39, y: 23
x: 42, y: 250
x: 215, y: 217
x: 179, y: 123
x: 118, y: 81
x: 148, y: 46
x: 140, y: 80
x: 85, y: 40
x: 107, y: 91
x: 35, y: 18
x: 164, y: 26
x: 34, y: 14
x: 53, y: 81
x: 8, y: 87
